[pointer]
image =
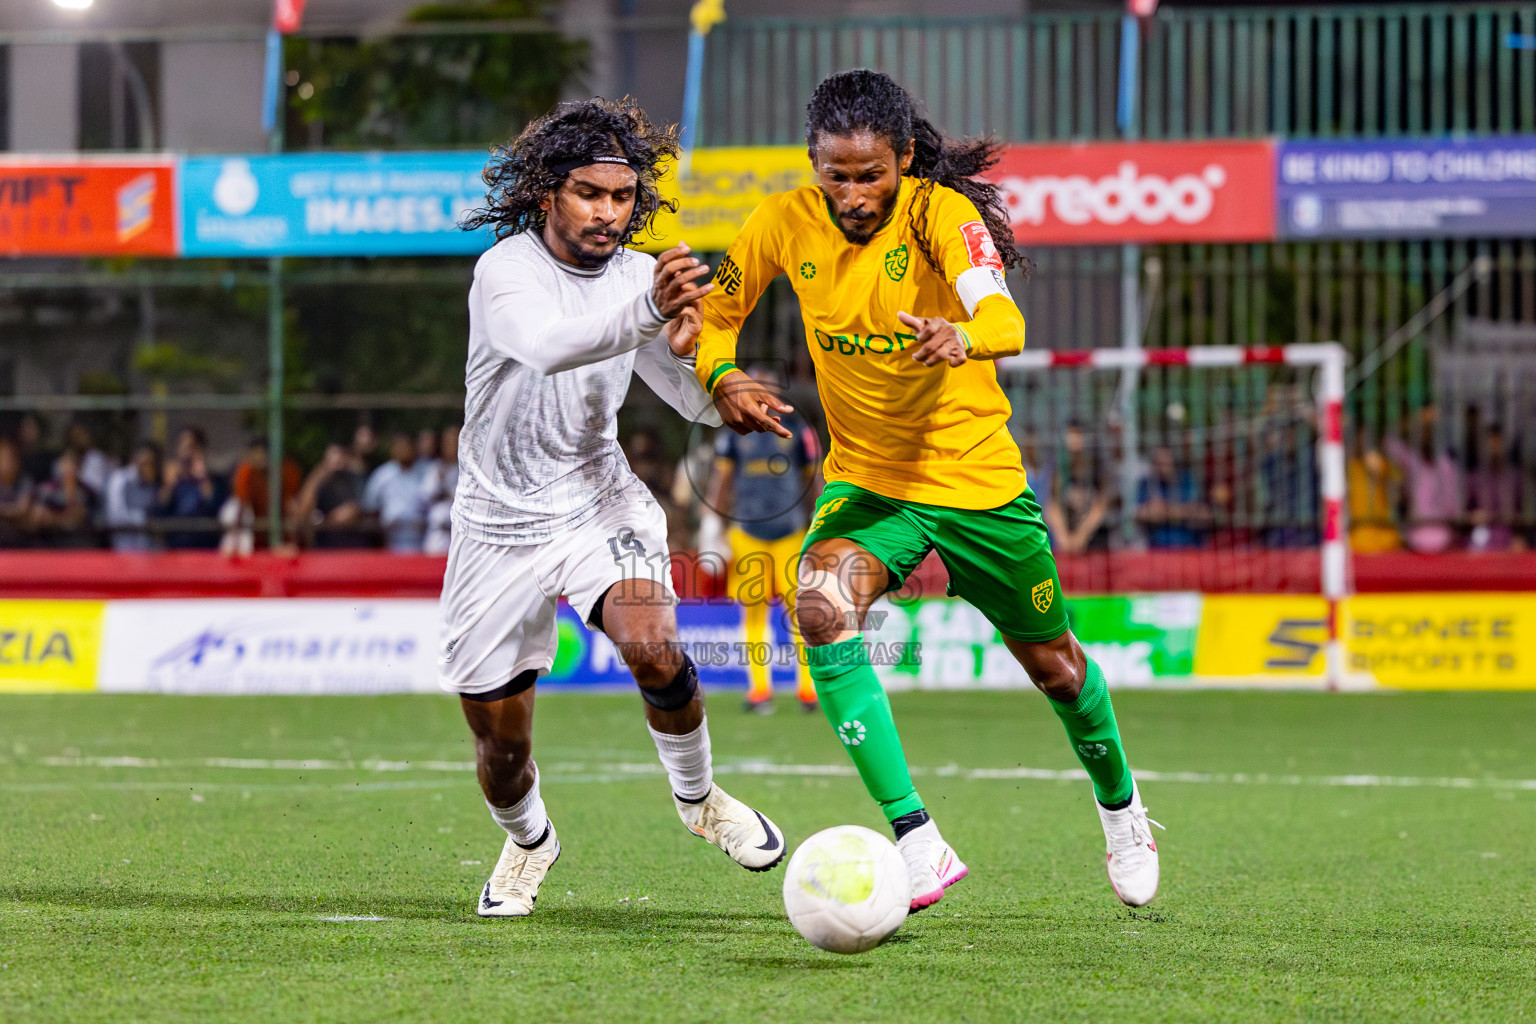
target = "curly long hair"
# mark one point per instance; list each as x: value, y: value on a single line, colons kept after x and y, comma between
x: 862, y: 100
x: 521, y: 174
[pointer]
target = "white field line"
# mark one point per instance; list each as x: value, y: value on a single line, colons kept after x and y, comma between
x: 577, y: 772
x: 347, y: 918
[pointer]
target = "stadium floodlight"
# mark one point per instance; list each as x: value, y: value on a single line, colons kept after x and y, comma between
x: 73, y: 5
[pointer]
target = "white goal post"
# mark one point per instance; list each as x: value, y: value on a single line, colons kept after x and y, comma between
x: 1328, y: 359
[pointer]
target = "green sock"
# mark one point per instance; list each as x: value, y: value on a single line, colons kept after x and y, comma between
x: 855, y: 703
x: 1090, y: 722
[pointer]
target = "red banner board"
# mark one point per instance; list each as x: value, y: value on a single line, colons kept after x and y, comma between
x: 1108, y: 192
x: 88, y: 207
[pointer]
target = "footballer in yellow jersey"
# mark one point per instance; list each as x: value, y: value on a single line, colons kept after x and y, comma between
x: 897, y: 256
x: 899, y: 428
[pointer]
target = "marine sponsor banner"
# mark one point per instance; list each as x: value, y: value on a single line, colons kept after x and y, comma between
x: 1106, y: 192
x: 332, y: 204
x: 49, y: 645
x: 722, y: 189
x: 1443, y: 641
x: 1271, y: 638
x: 1408, y: 188
x: 339, y: 646
x: 298, y: 646
x: 87, y: 207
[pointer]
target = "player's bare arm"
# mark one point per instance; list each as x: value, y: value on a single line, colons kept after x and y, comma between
x: 676, y: 284
x: 938, y: 340
x: 747, y: 406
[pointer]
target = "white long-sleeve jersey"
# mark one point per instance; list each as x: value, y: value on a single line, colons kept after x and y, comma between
x: 551, y: 351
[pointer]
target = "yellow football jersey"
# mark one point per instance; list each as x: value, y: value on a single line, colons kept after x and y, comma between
x: 931, y: 434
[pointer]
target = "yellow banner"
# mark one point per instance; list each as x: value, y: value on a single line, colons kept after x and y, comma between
x: 1261, y: 636
x: 723, y: 188
x: 1443, y: 641
x: 49, y: 645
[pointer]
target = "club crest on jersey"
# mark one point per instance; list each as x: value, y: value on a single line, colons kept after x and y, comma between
x: 807, y: 270
x: 896, y: 262
x: 979, y: 245
x: 1042, y: 595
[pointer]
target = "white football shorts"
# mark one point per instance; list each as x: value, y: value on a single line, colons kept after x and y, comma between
x: 497, y: 613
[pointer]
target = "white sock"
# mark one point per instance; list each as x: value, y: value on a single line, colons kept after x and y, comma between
x: 525, y: 821
x: 686, y: 759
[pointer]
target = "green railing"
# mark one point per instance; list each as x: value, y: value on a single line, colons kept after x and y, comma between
x: 1408, y: 69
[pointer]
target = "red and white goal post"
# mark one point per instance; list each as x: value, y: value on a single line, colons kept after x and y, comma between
x: 1228, y: 398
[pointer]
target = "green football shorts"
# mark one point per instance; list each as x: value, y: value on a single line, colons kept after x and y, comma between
x: 998, y: 559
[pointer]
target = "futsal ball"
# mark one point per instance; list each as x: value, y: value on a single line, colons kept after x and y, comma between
x: 846, y: 889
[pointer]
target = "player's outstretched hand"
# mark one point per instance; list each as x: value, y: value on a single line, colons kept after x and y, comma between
x: 682, y: 331
x: 678, y: 280
x: 748, y: 407
x: 938, y: 340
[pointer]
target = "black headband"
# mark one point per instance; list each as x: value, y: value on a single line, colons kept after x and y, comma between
x: 567, y: 166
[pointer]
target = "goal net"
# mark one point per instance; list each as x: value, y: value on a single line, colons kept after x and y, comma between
x: 1217, y: 470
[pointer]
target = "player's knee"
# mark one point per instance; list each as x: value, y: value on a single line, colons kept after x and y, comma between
x: 818, y: 619
x: 675, y: 693
x: 1059, y: 673
x: 508, y: 757
x: 653, y: 664
x: 1059, y: 684
x: 1057, y: 668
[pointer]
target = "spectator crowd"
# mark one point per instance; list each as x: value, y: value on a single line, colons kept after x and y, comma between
x: 1411, y: 491
x: 80, y: 497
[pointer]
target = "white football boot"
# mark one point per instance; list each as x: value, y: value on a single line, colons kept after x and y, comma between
x: 746, y: 836
x: 1130, y: 851
x: 514, y: 885
x: 931, y: 864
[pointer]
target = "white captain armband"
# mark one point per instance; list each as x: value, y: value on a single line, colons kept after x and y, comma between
x: 977, y: 283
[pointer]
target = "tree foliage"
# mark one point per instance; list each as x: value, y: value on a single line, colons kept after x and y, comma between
x: 428, y: 91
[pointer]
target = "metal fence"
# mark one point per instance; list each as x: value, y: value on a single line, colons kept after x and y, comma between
x: 1408, y: 69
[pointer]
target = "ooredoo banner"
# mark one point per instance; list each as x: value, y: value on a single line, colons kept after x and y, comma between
x: 88, y: 207
x: 1096, y: 193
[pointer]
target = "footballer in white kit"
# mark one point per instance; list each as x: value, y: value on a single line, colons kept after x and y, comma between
x: 561, y: 314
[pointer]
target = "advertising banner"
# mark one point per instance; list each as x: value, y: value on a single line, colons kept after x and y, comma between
x: 1408, y: 188
x: 1262, y: 637
x: 722, y: 189
x: 938, y: 643
x: 88, y: 207
x: 1110, y: 192
x: 331, y: 204
x: 49, y: 645
x: 349, y: 646
x: 711, y: 633
x: 298, y: 646
x: 339, y: 646
x: 1443, y: 641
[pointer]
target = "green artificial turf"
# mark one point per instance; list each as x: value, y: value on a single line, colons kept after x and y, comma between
x: 187, y: 890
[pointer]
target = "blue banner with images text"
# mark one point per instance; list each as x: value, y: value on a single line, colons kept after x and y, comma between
x: 1408, y: 188
x: 331, y: 204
